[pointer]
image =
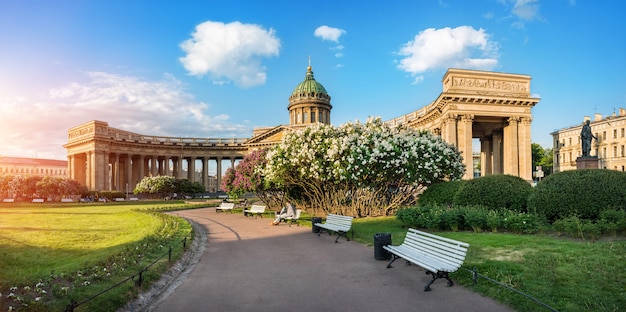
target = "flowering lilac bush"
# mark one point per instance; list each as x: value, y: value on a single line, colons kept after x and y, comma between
x: 360, y: 169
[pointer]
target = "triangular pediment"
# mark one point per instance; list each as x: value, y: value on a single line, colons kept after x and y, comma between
x: 268, y: 136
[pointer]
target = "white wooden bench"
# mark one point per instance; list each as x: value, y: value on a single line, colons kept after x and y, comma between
x: 67, y: 200
x: 119, y: 199
x: 38, y: 200
x: 295, y: 218
x: 437, y: 255
x: 8, y: 200
x: 256, y: 210
x: 133, y: 199
x: 225, y: 206
x: 338, y: 224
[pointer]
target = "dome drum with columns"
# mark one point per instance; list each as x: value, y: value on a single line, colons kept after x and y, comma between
x: 309, y: 102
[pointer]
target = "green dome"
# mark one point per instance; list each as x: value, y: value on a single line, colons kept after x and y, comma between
x: 309, y: 87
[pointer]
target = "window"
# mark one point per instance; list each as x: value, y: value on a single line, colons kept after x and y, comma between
x: 622, y: 132
x: 603, y: 135
x: 622, y: 153
x: 614, y: 151
x: 615, y: 133
x: 570, y: 141
x: 312, y: 116
x: 604, y: 152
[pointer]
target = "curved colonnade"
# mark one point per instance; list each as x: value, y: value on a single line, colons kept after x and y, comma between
x: 105, y: 158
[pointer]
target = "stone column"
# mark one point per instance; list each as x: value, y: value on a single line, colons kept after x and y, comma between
x: 179, y: 168
x: 153, y: 165
x: 449, y: 129
x: 166, y: 167
x: 464, y: 143
x: 191, y: 169
x: 205, y: 173
x: 485, y: 156
x: 129, y: 174
x: 218, y: 175
x: 116, y: 172
x: 71, y: 171
x: 496, y: 140
x: 106, y: 179
x: 91, y: 171
x: 525, y: 150
x: 511, y: 144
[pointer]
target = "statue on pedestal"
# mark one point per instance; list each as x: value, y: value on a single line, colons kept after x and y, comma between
x: 586, y: 137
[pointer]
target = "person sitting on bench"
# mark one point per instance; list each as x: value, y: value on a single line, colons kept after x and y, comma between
x: 288, y: 211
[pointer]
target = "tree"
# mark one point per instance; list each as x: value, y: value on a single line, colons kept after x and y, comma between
x: 360, y: 169
x: 158, y: 186
x: 542, y: 157
x: 247, y: 177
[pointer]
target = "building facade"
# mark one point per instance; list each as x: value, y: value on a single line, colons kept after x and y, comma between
x: 101, y: 157
x: 492, y: 107
x: 33, y: 167
x: 609, y: 147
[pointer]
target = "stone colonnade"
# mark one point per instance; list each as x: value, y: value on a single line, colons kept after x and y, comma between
x: 494, y: 108
x: 122, y: 172
x: 105, y: 158
x: 504, y: 143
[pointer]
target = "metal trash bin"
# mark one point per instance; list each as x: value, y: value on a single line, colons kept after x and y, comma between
x: 314, y: 228
x: 380, y: 240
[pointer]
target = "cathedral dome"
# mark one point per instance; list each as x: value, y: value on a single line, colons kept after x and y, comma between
x: 309, y: 102
x: 309, y: 87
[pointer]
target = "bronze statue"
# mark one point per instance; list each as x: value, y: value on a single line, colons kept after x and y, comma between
x: 586, y: 136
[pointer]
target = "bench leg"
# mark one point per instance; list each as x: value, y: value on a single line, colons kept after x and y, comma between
x: 393, y: 258
x: 340, y: 234
x: 436, y: 276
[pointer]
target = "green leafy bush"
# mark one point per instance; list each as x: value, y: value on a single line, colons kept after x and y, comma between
x: 476, y: 217
x: 581, y: 193
x: 495, y: 191
x: 441, y: 193
x: 613, y: 221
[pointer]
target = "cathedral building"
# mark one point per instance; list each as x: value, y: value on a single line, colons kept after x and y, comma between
x: 492, y: 107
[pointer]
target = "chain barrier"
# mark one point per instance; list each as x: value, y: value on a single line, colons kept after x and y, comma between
x: 140, y: 278
x: 476, y: 275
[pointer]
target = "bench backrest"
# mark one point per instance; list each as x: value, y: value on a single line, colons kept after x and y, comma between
x: 444, y: 249
x: 257, y: 208
x: 224, y: 205
x: 339, y: 220
x: 298, y: 213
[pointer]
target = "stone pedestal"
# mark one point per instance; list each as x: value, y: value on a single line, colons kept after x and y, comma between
x: 590, y: 162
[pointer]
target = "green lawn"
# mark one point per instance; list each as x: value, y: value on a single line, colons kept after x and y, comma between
x: 564, y: 274
x: 50, y: 254
x: 73, y: 251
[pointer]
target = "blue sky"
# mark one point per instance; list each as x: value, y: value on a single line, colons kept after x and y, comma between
x: 222, y: 68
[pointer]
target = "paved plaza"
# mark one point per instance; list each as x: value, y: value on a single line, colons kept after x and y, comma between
x: 245, y: 264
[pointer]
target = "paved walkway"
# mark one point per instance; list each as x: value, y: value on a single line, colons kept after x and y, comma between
x: 249, y: 265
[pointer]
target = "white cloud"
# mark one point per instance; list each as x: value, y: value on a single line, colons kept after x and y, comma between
x: 38, y: 127
x: 231, y: 52
x: 329, y: 33
x: 527, y: 10
x: 461, y: 47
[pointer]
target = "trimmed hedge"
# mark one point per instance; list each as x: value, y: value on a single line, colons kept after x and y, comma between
x: 581, y: 193
x: 441, y: 193
x: 496, y: 192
